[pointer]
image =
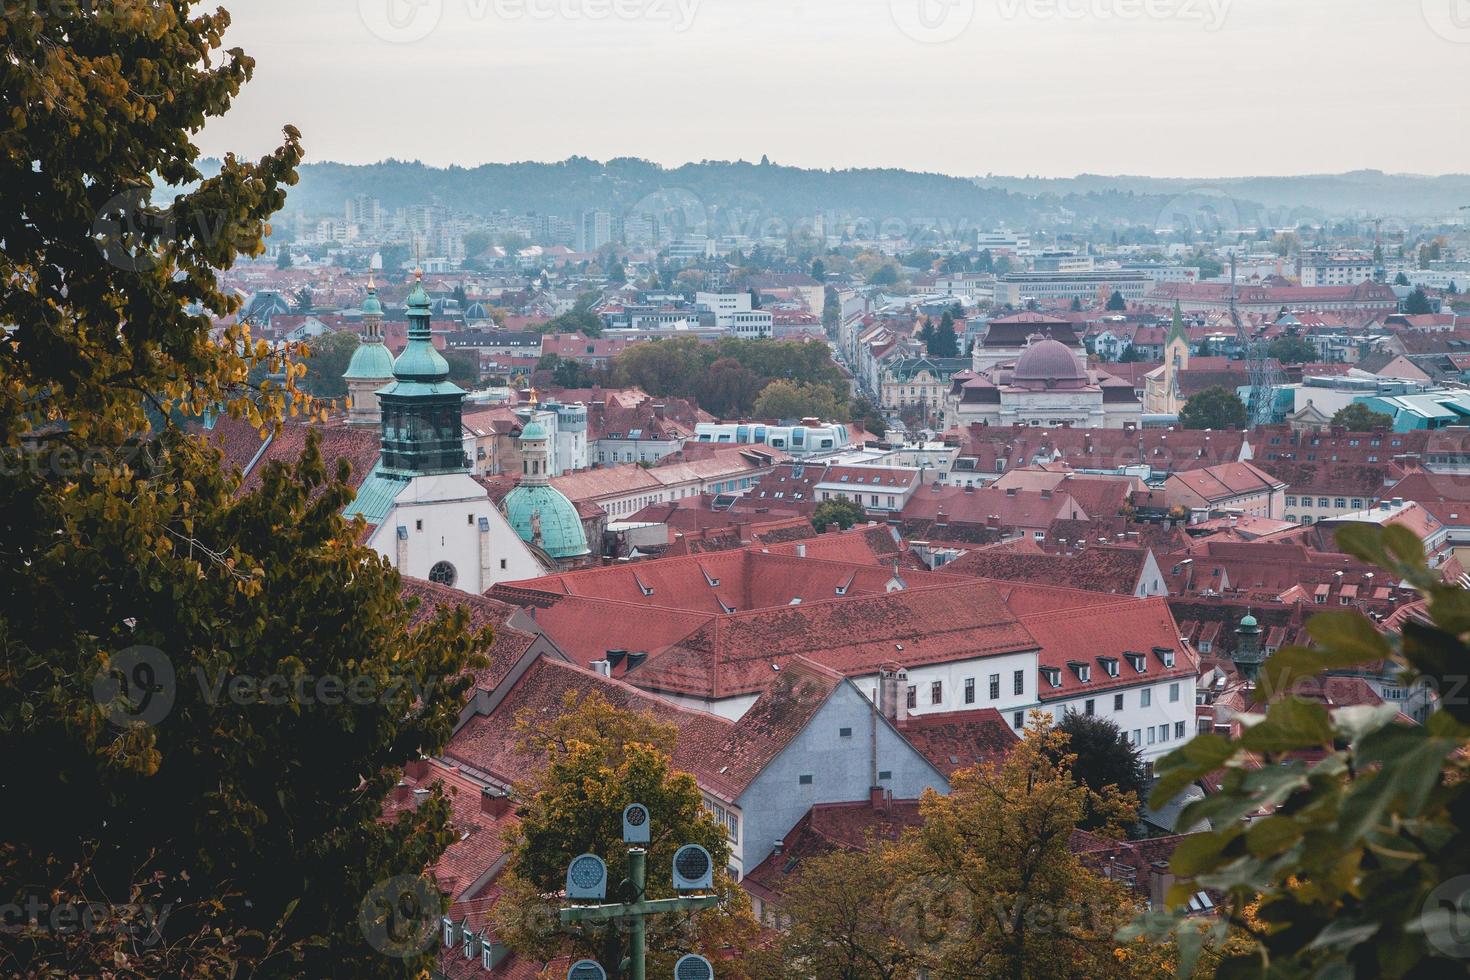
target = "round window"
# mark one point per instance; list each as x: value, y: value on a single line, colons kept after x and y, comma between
x: 443, y: 573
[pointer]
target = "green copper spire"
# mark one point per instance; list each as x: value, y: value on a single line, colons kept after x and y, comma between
x: 422, y: 431
x: 1176, y: 329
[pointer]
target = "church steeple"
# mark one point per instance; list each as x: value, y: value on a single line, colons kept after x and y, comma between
x: 1176, y: 329
x: 422, y: 408
x: 371, y: 366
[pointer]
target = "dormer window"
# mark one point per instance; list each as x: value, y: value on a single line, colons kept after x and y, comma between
x: 1137, y: 661
x: 1053, y: 676
x: 1110, y: 665
x: 449, y: 932
x: 1082, y: 670
x: 1166, y: 656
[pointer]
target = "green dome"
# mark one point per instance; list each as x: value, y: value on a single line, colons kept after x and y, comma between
x: 562, y: 535
x: 1248, y: 622
x: 417, y: 297
x: 371, y: 304
x: 534, y: 430
x: 370, y: 361
x: 420, y: 362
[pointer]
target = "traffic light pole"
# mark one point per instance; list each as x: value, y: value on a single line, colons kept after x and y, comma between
x: 636, y: 911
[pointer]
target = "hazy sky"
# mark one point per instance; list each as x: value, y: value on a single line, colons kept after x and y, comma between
x: 966, y: 87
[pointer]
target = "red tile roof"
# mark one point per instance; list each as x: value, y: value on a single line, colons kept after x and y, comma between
x: 954, y: 740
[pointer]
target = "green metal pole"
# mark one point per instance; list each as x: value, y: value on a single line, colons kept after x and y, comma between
x: 635, y: 873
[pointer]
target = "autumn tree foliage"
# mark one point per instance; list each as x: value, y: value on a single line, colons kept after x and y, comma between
x: 598, y: 760
x: 140, y: 587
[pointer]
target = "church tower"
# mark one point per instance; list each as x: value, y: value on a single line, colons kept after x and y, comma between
x: 542, y: 516
x: 371, y: 367
x: 1248, y: 653
x: 422, y: 408
x: 1176, y: 360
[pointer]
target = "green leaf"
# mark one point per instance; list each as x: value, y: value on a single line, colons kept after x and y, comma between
x: 1198, y: 853
x: 1272, y: 836
x: 1198, y: 757
x: 1290, y: 724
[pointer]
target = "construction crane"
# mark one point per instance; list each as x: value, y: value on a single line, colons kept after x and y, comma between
x: 1262, y: 371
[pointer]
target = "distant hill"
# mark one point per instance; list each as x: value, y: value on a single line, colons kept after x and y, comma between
x: 742, y: 197
x: 1370, y: 193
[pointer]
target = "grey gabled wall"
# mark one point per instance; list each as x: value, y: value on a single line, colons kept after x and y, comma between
x: 840, y: 770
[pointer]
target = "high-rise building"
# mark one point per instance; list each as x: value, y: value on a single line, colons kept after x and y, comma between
x: 594, y: 230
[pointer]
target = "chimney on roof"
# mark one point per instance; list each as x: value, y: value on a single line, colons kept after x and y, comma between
x: 494, y: 802
x: 602, y: 667
x: 778, y: 846
x: 801, y: 549
x: 658, y: 411
x: 832, y: 529
x: 893, y: 694
x: 401, y: 793
x: 1159, y: 883
x: 417, y: 769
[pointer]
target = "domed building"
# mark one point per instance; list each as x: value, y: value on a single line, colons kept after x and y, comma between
x: 424, y: 512
x: 371, y: 366
x: 1049, y: 385
x: 542, y: 516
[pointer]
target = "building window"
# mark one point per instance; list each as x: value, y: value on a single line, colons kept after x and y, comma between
x: 1173, y: 692
x: 885, y: 774
x: 913, y: 699
x: 844, y: 732
x: 1018, y: 720
x: 1152, y: 738
x: 1018, y: 682
x: 969, y: 690
x: 936, y: 692
x: 1163, y: 733
x: 995, y: 687
x: 1088, y: 707
x: 418, y: 525
x: 806, y: 779
x: 1178, y: 729
x: 1117, y: 702
x: 1134, y: 738
x: 1291, y: 501
x: 502, y: 564
x: 443, y: 573
x: 1145, y: 697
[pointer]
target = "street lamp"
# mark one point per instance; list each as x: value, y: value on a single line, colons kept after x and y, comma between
x: 693, y: 871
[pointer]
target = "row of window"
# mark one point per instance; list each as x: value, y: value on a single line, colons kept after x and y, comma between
x: 936, y: 689
x: 1339, y: 502
x: 1154, y: 734
x: 1145, y: 700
